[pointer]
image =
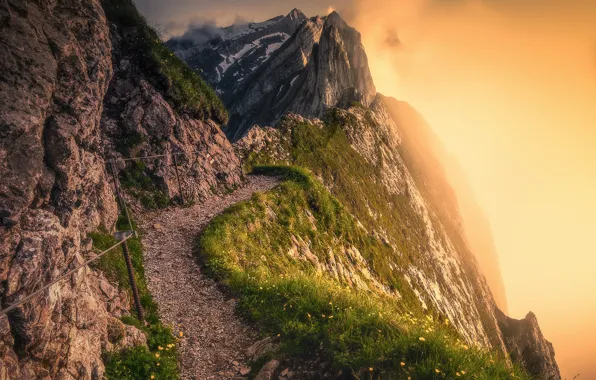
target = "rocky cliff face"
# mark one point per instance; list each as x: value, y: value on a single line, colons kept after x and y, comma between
x: 55, y: 137
x: 337, y: 73
x: 322, y: 65
x: 527, y: 345
x: 435, y: 258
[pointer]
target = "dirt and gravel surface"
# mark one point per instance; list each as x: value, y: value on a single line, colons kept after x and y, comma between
x: 214, y: 338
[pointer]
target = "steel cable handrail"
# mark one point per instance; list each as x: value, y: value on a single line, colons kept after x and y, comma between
x: 30, y: 296
x: 131, y: 234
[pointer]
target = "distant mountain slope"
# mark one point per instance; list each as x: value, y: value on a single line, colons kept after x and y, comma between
x: 459, y: 206
x: 226, y: 57
x: 322, y: 65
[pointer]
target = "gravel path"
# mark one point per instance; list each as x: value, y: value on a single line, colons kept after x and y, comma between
x: 214, y: 337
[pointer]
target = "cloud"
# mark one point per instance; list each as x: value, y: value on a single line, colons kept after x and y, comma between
x: 201, y: 33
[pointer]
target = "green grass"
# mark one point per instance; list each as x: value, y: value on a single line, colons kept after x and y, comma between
x: 357, y: 185
x: 364, y: 334
x: 137, y: 362
x: 182, y: 87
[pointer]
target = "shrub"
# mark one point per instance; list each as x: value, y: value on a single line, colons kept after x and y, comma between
x: 139, y: 182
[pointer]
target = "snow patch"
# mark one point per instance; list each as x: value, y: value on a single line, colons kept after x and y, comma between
x: 294, y: 80
x: 250, y: 48
x: 272, y: 48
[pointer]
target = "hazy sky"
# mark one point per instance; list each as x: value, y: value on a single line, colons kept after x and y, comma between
x: 510, y: 88
x: 173, y: 16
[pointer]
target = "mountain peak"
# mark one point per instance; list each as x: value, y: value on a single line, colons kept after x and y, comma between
x: 296, y: 14
x: 307, y: 67
x: 335, y: 19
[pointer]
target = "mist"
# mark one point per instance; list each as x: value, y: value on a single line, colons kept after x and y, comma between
x: 510, y: 89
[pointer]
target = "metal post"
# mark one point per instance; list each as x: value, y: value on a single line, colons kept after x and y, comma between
x: 178, y: 178
x: 120, y: 199
x: 116, y: 184
x: 131, y: 277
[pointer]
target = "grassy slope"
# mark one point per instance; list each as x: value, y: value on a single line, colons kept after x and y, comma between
x: 360, y: 333
x: 327, y: 152
x: 181, y: 86
x: 138, y: 362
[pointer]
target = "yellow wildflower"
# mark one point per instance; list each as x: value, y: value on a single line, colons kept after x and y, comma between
x: 457, y: 374
x: 160, y: 348
x: 181, y: 334
x: 156, y: 355
x: 421, y: 339
x: 437, y: 370
x: 370, y: 369
x: 402, y: 364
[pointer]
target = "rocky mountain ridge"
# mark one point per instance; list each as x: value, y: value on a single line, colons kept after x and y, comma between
x: 227, y: 56
x: 294, y: 90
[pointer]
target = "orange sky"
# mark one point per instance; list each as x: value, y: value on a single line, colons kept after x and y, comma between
x: 511, y: 91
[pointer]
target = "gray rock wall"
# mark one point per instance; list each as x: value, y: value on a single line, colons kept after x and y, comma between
x: 55, y: 137
x: 56, y: 67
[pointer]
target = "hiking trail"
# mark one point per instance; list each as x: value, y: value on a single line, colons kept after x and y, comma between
x: 214, y: 338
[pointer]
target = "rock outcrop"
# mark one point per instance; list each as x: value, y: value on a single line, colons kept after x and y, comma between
x: 55, y: 137
x: 139, y: 121
x: 527, y: 346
